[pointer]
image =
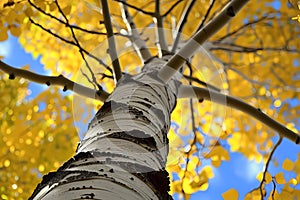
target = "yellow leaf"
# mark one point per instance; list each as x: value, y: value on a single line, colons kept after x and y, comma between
x: 277, y: 103
x: 15, y: 30
x: 268, y: 178
x: 275, y: 195
x: 218, y: 153
x: 216, y: 163
x: 67, y: 10
x: 293, y: 181
x: 259, y: 176
x: 209, y: 172
x: 3, y: 196
x: 6, y: 163
x: 41, y: 168
x: 280, y: 178
x: 230, y: 194
x: 3, y: 35
x: 262, y: 91
x: 287, y: 165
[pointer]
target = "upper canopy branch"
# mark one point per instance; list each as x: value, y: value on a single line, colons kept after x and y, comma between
x: 94, y: 80
x: 71, y: 43
x: 61, y: 21
x: 111, y: 41
x: 187, y: 91
x: 54, y: 80
x: 140, y: 45
x: 199, y: 38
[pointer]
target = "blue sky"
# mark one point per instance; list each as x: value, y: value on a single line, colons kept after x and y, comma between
x: 238, y: 173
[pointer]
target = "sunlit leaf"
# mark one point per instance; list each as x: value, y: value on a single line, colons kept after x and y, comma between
x: 287, y: 165
x: 230, y: 194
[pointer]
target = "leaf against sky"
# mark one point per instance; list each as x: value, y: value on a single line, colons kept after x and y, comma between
x: 256, y: 56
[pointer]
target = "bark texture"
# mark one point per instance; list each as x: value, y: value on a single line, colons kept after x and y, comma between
x: 123, y: 154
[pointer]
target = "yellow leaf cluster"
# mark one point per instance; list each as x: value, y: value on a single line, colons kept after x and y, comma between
x: 217, y: 154
x: 31, y: 132
x: 258, y: 63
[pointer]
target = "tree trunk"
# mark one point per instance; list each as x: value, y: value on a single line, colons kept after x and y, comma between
x: 123, y: 154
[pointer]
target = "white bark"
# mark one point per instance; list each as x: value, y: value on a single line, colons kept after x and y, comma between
x: 123, y: 154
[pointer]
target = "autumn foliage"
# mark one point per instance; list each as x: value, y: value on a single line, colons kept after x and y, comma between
x: 255, y: 57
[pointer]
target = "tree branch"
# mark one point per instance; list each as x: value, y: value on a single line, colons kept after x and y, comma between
x: 172, y: 7
x: 203, y: 83
x: 54, y: 80
x: 162, y: 42
x: 71, y: 43
x: 181, y: 24
x: 233, y: 102
x: 244, y: 26
x: 94, y: 80
x: 61, y: 21
x: 136, y: 8
x: 199, y: 38
x: 139, y: 44
x: 267, y: 166
x: 111, y: 42
x: 211, y: 4
x: 242, y: 49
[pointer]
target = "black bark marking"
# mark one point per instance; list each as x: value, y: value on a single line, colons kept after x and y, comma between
x: 138, y: 137
x: 159, y: 180
x: 11, y: 76
x: 65, y: 88
x: 55, y: 177
x: 48, y: 83
x: 230, y: 12
x: 98, y: 92
x: 87, y: 196
x: 298, y: 140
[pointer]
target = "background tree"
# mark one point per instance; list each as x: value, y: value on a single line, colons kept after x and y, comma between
x: 256, y: 55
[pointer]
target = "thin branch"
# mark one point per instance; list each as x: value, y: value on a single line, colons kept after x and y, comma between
x: 162, y: 42
x: 199, y: 38
x: 140, y: 45
x: 267, y: 166
x: 283, y: 86
x: 61, y: 21
x: 244, y: 26
x: 274, y: 189
x: 70, y: 42
x: 71, y: 25
x: 136, y: 8
x: 203, y: 83
x: 172, y: 7
x: 245, y: 77
x: 103, y: 76
x: 181, y: 23
x: 233, y: 102
x: 242, y: 49
x: 111, y: 42
x: 211, y: 4
x: 221, y: 6
x: 94, y: 80
x: 51, y: 32
x: 54, y: 80
x: 142, y: 7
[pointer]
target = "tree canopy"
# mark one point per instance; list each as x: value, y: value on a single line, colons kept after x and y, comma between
x: 255, y: 57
